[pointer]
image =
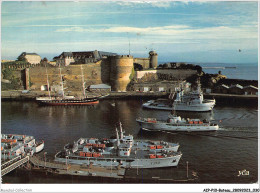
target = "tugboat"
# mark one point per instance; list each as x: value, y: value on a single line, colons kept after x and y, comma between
x: 176, y: 123
x: 13, y: 145
x: 193, y: 101
x: 121, y: 151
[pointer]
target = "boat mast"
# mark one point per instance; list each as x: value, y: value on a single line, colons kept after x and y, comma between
x: 62, y: 89
x: 83, y: 82
x: 48, y: 85
x: 121, y: 130
x: 117, y: 137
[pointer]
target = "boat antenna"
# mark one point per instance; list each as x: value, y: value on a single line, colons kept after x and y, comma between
x: 83, y: 82
x: 117, y: 137
x: 121, y: 130
x: 48, y: 85
x: 62, y: 89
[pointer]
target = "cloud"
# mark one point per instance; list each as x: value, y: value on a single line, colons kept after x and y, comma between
x: 176, y: 31
x: 159, y: 4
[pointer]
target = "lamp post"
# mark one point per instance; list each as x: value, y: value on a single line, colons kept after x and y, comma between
x: 187, y: 169
x: 67, y: 163
x: 45, y: 158
x: 137, y: 168
x: 111, y: 167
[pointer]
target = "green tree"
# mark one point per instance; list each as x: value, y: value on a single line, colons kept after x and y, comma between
x: 8, y: 74
x: 22, y: 57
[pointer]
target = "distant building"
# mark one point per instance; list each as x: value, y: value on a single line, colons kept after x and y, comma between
x: 68, y: 58
x: 162, y: 86
x: 236, y: 89
x: 31, y: 58
x: 250, y: 90
x: 222, y: 89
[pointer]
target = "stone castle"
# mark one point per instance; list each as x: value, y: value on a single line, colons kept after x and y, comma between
x: 97, y: 67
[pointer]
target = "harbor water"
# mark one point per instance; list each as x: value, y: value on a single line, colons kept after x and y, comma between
x: 216, y: 157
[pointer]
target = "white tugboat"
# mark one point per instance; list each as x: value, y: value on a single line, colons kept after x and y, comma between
x: 175, y: 123
x: 121, y: 151
x: 193, y: 101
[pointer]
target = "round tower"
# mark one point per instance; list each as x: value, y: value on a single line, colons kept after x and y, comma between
x: 121, y: 69
x: 153, y: 59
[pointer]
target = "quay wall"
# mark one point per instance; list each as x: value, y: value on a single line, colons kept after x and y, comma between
x: 221, y: 99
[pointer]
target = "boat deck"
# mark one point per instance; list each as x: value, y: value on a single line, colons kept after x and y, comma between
x: 155, y: 121
x: 135, y: 154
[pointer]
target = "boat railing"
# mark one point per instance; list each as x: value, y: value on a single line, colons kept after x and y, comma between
x: 152, y: 120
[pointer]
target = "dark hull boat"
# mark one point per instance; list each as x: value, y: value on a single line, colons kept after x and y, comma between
x: 64, y: 101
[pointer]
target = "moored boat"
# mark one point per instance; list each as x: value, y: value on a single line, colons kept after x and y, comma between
x: 192, y: 101
x: 121, y: 151
x: 175, y: 123
x: 159, y: 104
x: 13, y: 145
x: 56, y: 101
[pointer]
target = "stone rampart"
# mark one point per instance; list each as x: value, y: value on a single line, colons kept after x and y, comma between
x: 144, y: 62
x: 71, y: 76
x: 168, y: 74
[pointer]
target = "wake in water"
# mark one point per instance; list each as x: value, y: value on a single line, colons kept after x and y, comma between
x: 217, y: 134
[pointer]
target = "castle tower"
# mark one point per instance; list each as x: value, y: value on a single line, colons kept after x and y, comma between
x: 153, y: 59
x: 121, y: 69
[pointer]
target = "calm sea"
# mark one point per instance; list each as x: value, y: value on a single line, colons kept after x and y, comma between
x: 233, y: 71
x: 217, y: 157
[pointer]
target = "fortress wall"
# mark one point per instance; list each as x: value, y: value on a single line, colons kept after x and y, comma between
x: 140, y: 74
x: 168, y: 73
x: 105, y: 65
x: 145, y: 62
x: 38, y: 77
x: 71, y: 75
x: 121, y: 68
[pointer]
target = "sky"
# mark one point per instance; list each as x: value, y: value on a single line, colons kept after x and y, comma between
x: 191, y: 31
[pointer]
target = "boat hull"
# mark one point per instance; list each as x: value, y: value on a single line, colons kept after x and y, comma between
x: 194, y: 107
x: 125, y: 162
x: 67, y: 102
x: 39, y: 147
x: 177, y: 127
x: 203, y: 107
x: 150, y: 106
